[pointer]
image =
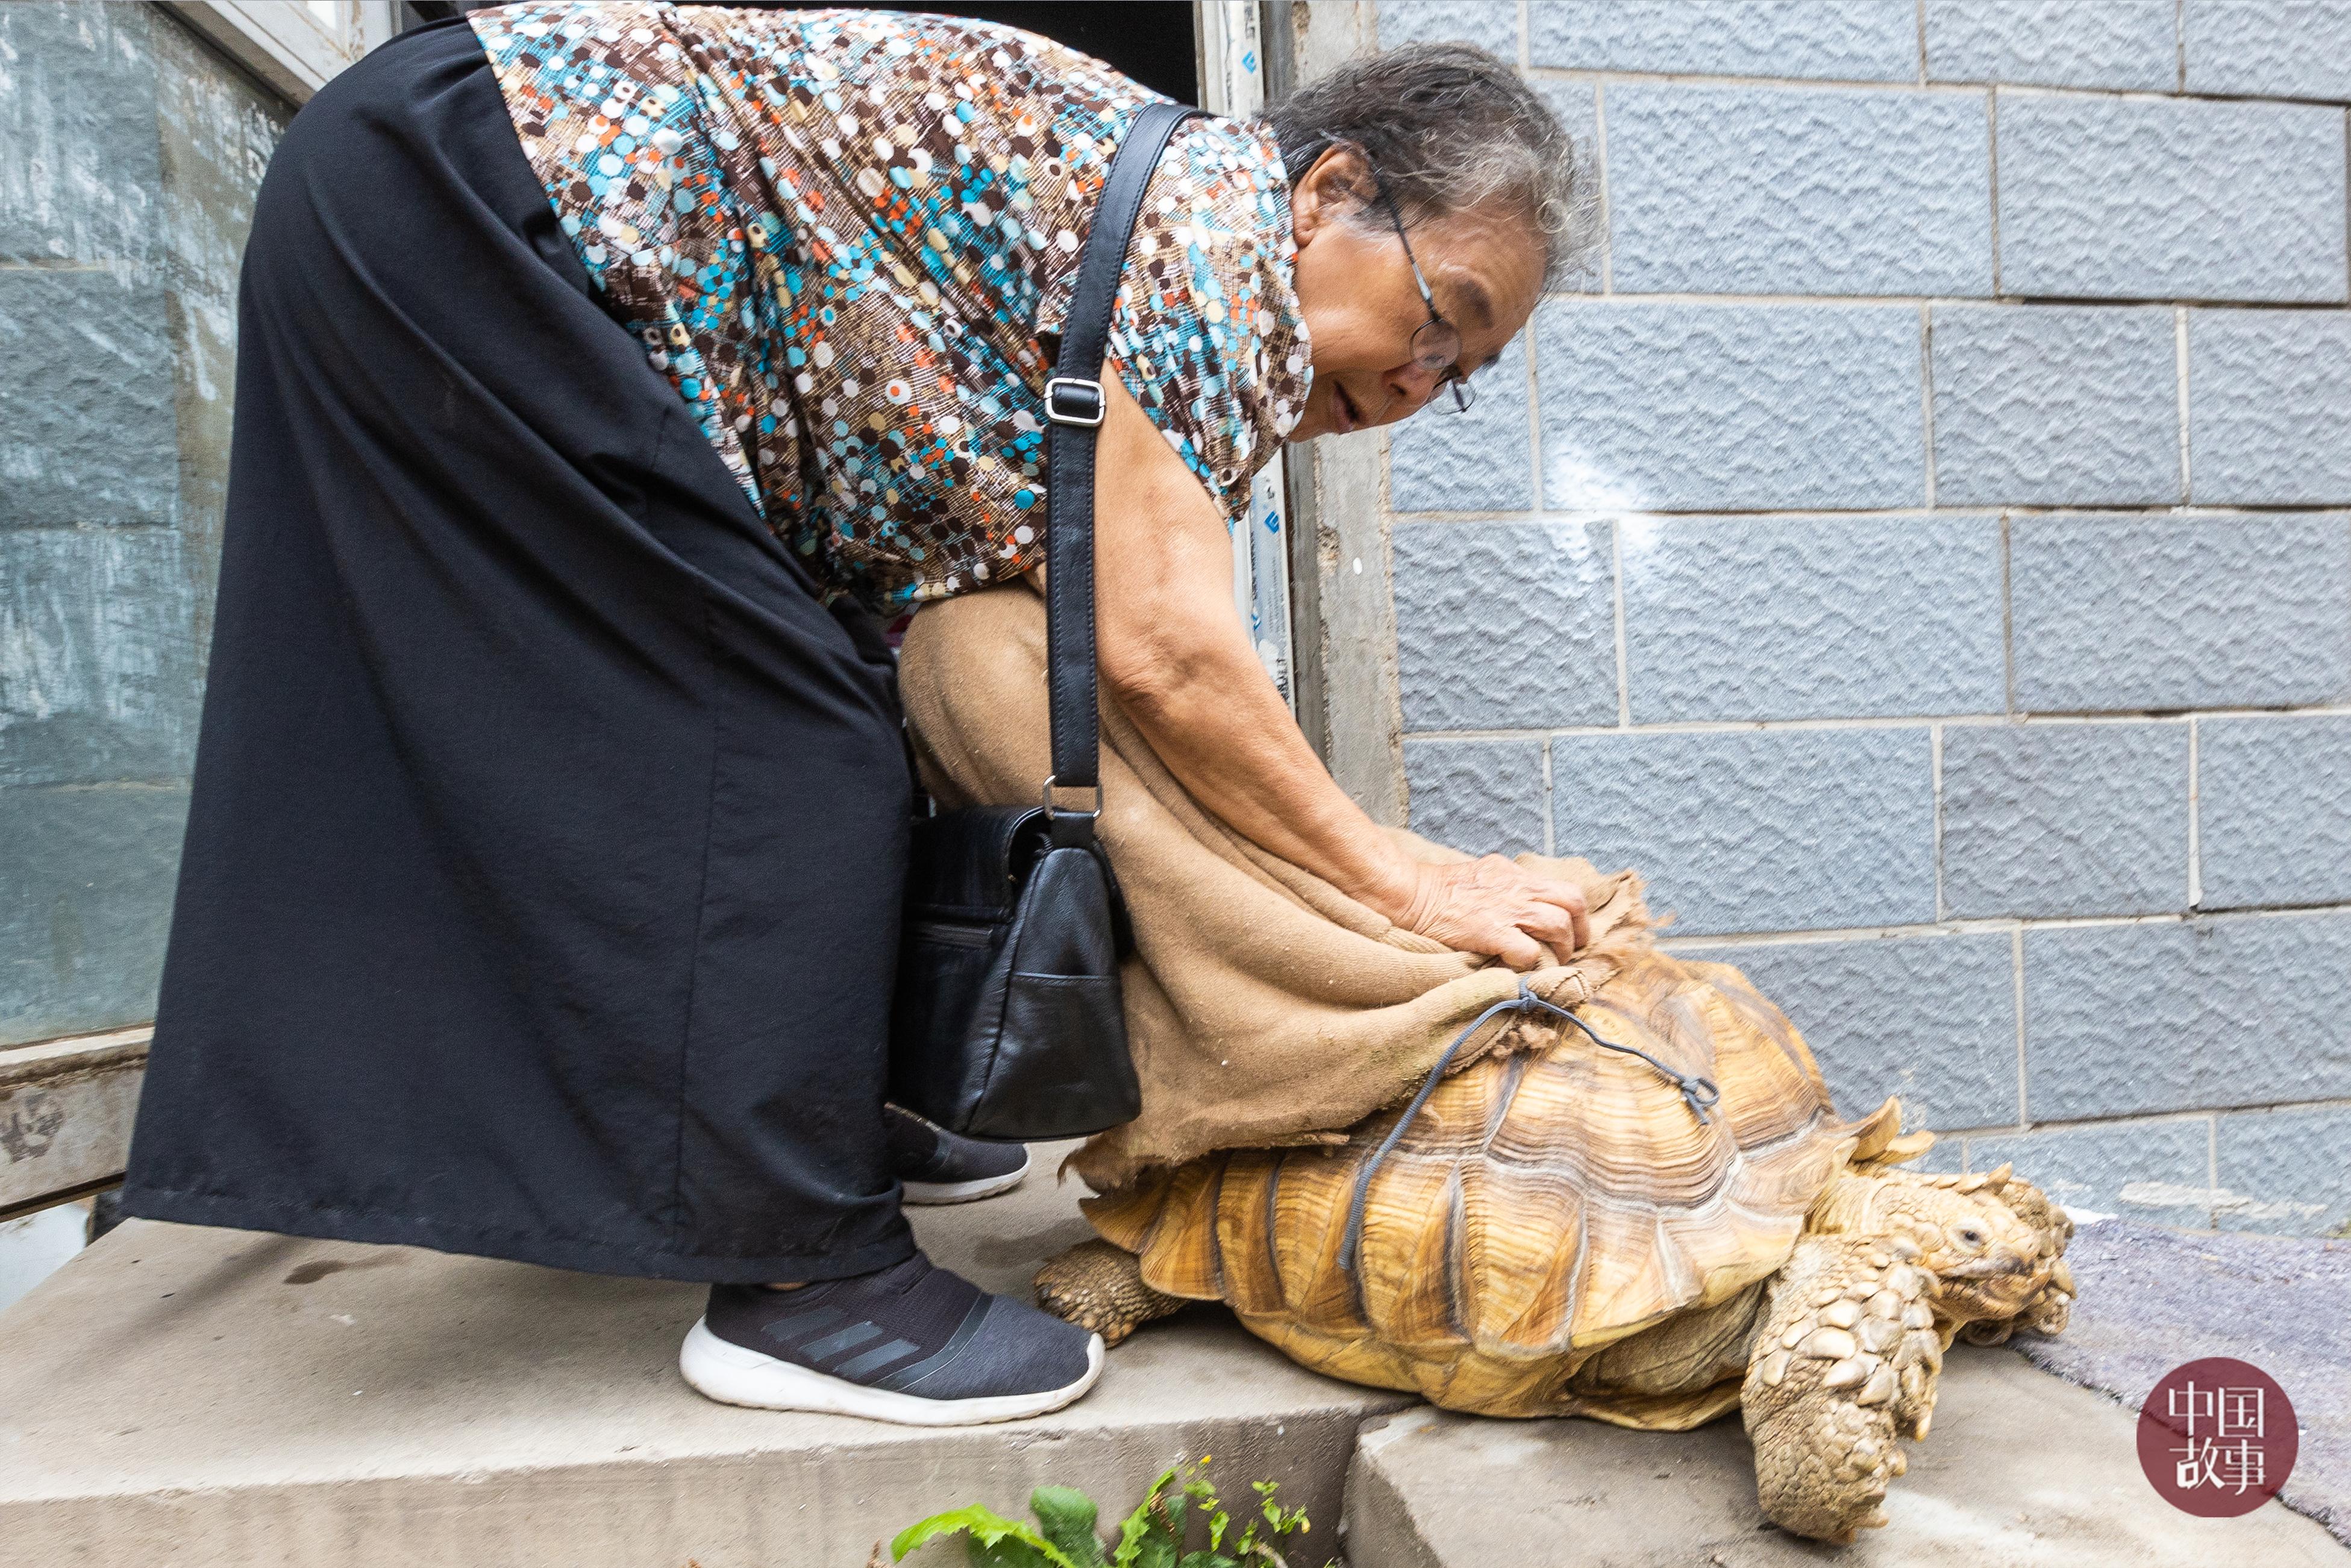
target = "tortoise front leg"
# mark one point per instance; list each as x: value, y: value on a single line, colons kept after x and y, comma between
x: 1098, y: 1286
x: 1844, y: 1362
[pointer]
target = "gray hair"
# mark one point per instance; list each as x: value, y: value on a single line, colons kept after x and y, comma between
x: 1448, y: 128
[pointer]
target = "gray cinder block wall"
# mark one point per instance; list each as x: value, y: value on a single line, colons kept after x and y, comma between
x: 1914, y: 543
x: 131, y: 156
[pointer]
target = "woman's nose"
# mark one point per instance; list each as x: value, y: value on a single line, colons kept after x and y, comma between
x: 1412, y: 386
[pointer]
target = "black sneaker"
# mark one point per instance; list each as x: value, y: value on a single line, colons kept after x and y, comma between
x: 912, y: 1344
x: 939, y: 1166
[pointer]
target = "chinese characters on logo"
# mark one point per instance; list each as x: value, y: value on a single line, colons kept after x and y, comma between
x: 2225, y: 1452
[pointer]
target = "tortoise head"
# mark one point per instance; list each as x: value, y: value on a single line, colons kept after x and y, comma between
x: 1989, y: 1263
x: 1994, y: 1244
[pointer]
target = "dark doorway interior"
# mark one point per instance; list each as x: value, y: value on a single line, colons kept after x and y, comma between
x: 1149, y: 40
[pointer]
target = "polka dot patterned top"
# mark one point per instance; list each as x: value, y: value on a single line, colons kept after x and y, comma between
x: 841, y: 233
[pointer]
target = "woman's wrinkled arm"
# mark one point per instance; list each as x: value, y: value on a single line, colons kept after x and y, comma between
x: 1178, y: 660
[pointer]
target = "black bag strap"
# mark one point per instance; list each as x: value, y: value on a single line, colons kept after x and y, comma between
x: 1075, y: 404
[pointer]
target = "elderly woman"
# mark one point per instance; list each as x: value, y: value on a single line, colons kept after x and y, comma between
x: 607, y: 376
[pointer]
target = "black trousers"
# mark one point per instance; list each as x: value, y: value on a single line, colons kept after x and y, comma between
x: 540, y: 895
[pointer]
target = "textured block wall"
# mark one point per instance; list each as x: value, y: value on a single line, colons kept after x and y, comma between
x: 1921, y: 543
x: 125, y: 193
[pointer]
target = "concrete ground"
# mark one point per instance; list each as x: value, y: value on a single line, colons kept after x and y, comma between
x: 183, y: 1397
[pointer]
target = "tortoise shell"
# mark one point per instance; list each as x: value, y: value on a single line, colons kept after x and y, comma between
x: 1542, y: 1205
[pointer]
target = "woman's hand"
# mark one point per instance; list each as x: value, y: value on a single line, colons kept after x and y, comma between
x: 1498, y: 906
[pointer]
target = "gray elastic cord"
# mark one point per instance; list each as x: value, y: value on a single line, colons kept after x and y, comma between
x: 1698, y: 1093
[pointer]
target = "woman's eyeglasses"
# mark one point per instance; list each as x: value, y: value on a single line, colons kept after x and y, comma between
x: 1437, y: 343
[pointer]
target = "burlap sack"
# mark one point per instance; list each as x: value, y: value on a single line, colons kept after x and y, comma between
x: 1264, y: 1006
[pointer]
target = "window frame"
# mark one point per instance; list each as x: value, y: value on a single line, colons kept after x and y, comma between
x: 295, y: 45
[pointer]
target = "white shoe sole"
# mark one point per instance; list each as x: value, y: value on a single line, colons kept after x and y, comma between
x: 922, y: 1192
x: 733, y: 1375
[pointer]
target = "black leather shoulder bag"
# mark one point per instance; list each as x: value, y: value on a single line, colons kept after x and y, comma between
x: 1007, y: 1022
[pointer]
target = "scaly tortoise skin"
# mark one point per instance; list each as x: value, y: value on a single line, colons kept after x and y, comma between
x: 1556, y: 1234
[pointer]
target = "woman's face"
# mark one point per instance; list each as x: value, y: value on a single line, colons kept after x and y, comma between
x: 1362, y: 307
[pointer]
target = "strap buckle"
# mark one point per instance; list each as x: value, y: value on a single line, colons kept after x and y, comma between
x: 1050, y: 813
x: 1088, y: 414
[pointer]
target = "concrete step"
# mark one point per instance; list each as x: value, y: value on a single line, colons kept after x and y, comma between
x: 2021, y: 1470
x: 186, y: 1398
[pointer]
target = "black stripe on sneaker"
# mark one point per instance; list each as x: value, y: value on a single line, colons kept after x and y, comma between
x: 906, y: 1377
x: 809, y: 1321
x: 832, y: 1344
x: 875, y: 1360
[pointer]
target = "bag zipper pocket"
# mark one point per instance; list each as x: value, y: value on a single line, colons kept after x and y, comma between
x: 952, y: 932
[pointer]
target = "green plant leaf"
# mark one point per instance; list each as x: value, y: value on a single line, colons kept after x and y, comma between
x: 1148, y: 1538
x: 996, y: 1541
x: 1283, y: 1520
x: 1152, y: 1536
x: 1131, y: 1532
x: 1066, y: 1518
x: 1141, y: 1543
x: 1171, y: 1507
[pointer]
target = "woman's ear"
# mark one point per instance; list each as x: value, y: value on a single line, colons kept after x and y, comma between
x: 1339, y: 181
